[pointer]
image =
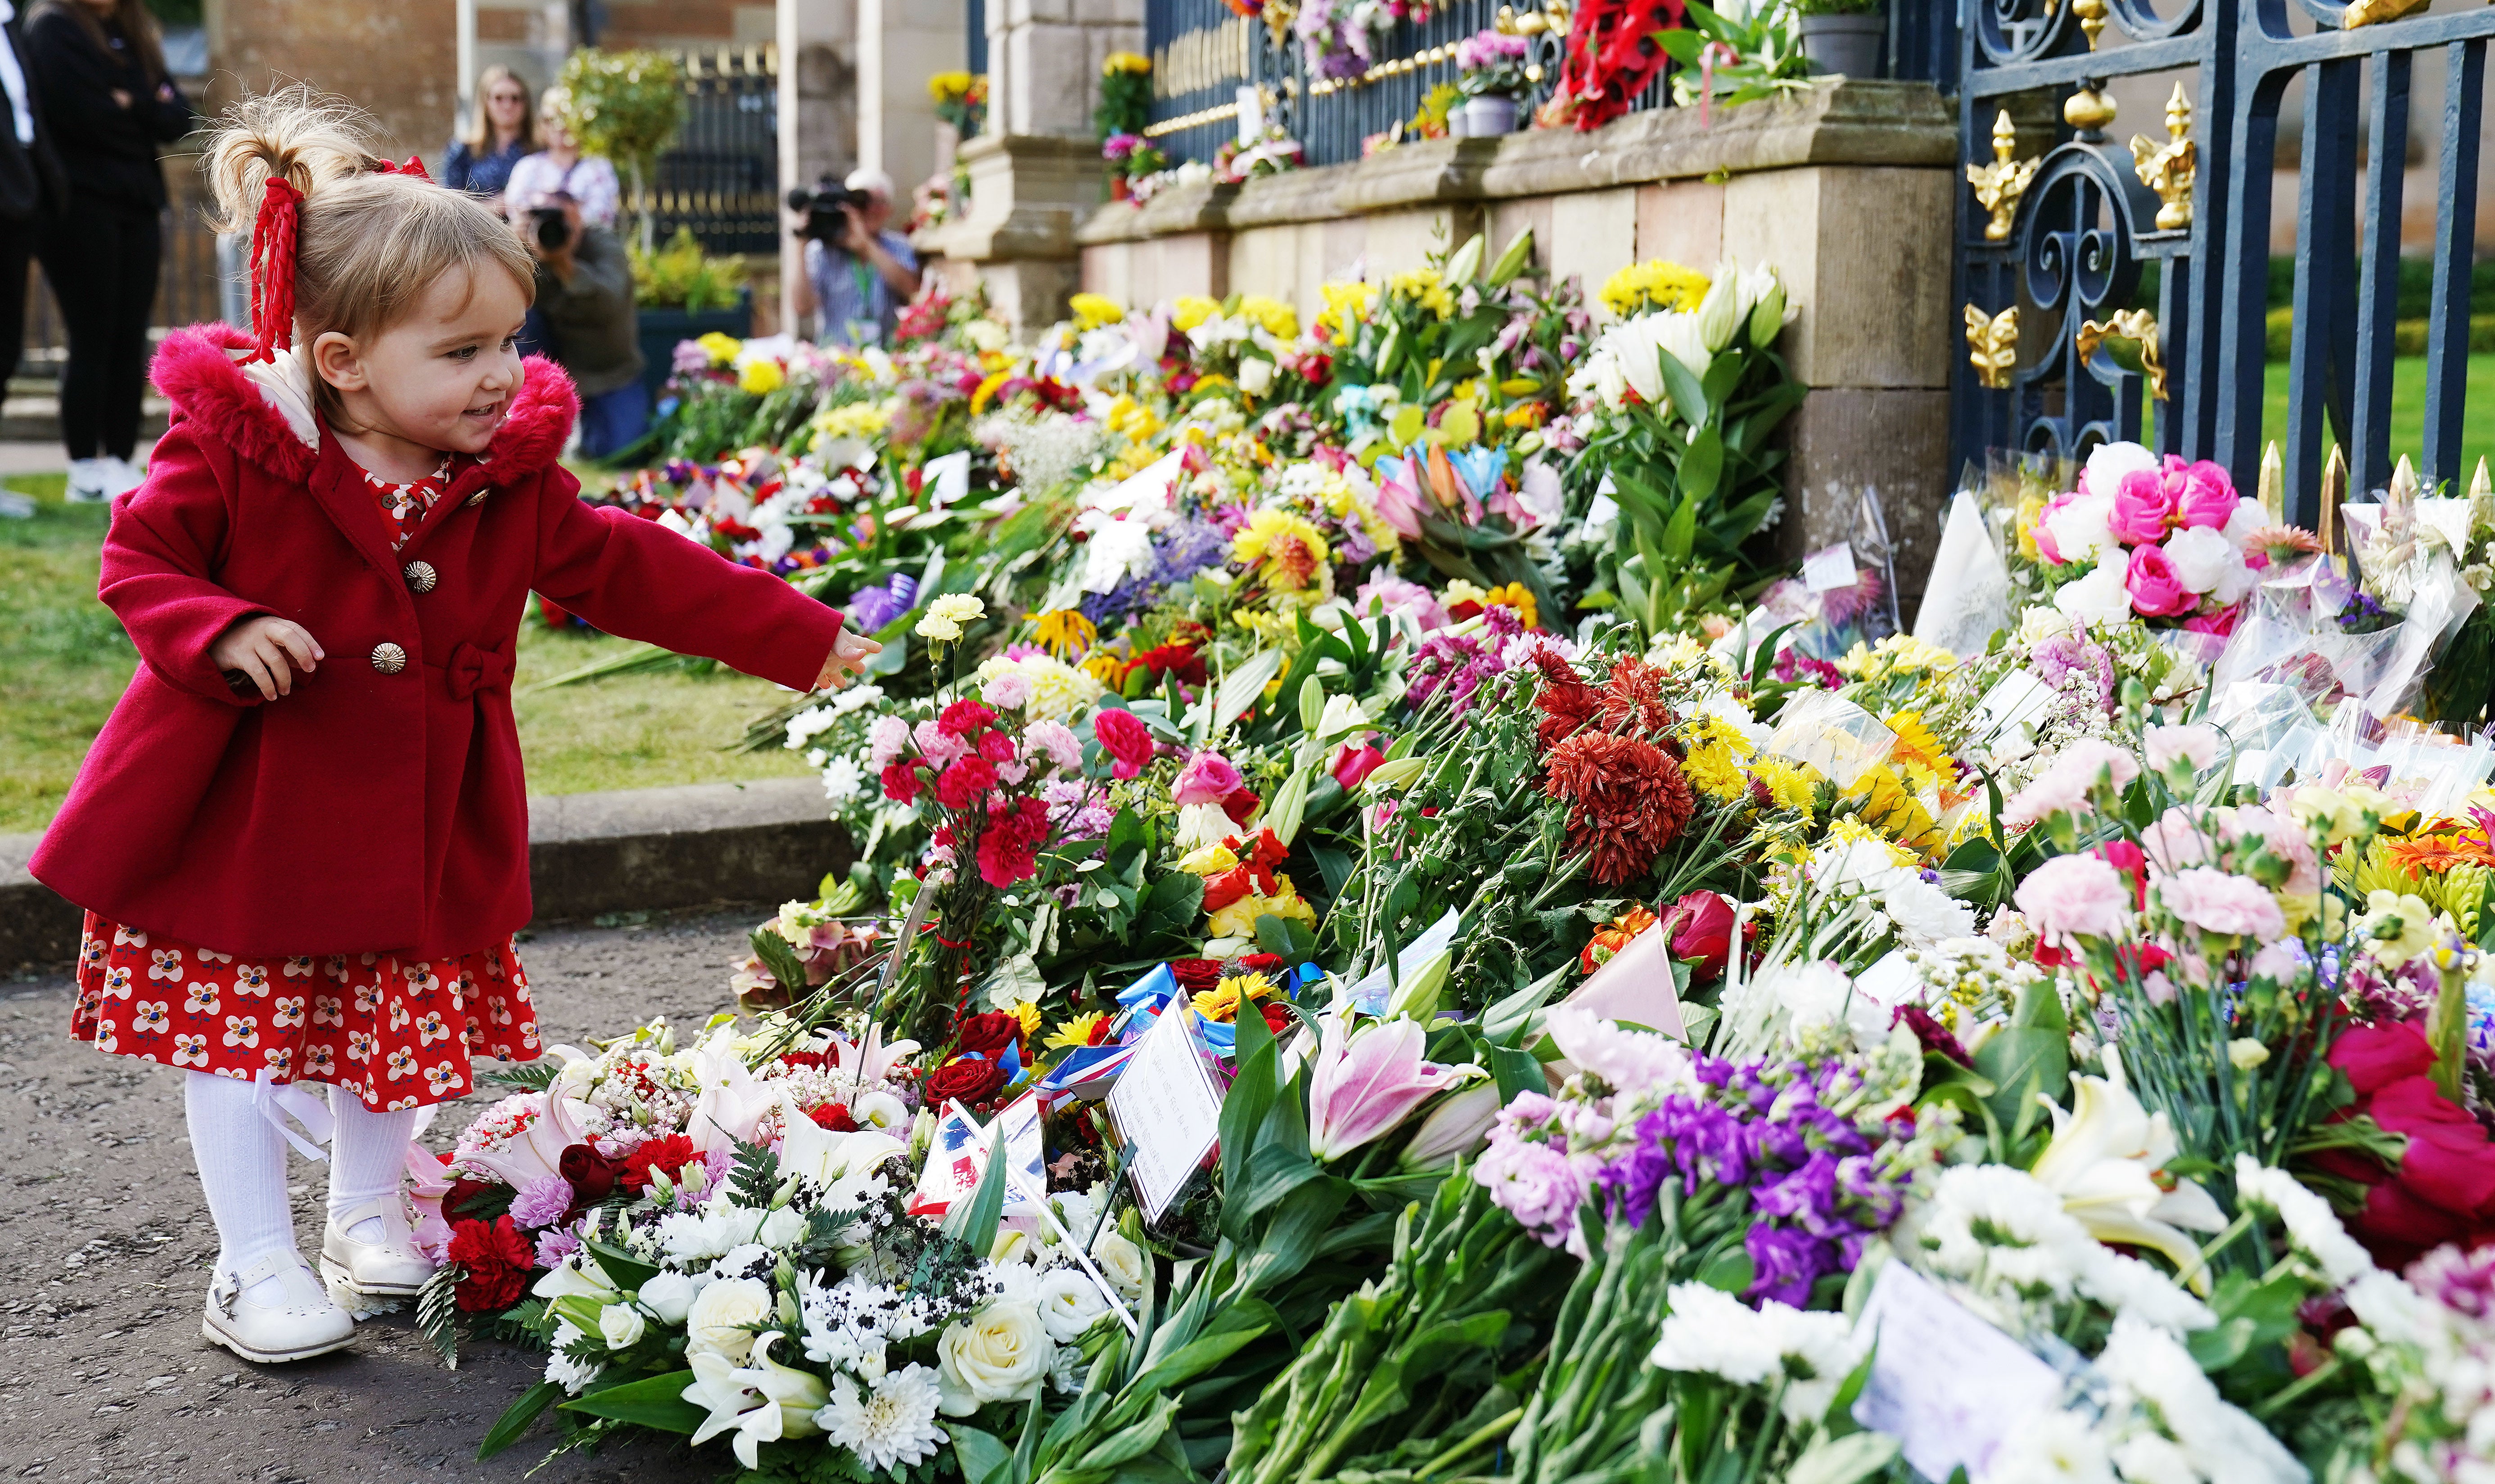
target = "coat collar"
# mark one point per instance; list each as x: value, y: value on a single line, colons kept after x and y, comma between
x: 263, y: 412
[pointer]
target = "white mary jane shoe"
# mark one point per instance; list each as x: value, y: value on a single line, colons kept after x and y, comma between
x: 389, y: 1268
x: 302, y: 1323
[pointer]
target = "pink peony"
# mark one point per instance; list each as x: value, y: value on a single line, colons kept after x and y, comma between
x: 2197, y: 743
x: 2142, y: 509
x: 2155, y: 590
x: 2075, y: 896
x: 1206, y: 778
x: 2064, y: 787
x: 2215, y: 902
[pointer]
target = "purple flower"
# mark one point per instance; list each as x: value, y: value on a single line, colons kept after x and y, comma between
x: 1784, y: 1263
x: 1533, y: 1182
x: 555, y: 1244
x: 542, y: 1203
x: 1459, y: 665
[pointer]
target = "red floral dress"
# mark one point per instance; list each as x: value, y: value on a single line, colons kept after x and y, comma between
x: 394, y: 1032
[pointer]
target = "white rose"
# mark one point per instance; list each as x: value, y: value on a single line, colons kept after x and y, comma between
x: 2100, y: 597
x: 1122, y: 1263
x: 1255, y: 376
x: 2084, y: 529
x: 1000, y: 1354
x: 670, y: 1295
x: 717, y: 1321
x: 2201, y: 557
x: 781, y: 1227
x: 2108, y: 464
x: 621, y: 1326
x: 1069, y: 1301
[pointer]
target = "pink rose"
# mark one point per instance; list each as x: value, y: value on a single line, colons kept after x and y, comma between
x: 2221, y: 623
x: 2155, y: 590
x: 2203, y: 495
x: 2072, y: 895
x: 1206, y: 778
x: 2141, y: 509
x: 2215, y: 902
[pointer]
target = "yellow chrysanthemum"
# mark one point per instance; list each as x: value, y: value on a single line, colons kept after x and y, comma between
x: 760, y: 378
x: 1027, y: 1012
x: 1515, y: 595
x: 1133, y: 418
x: 1656, y: 284
x: 1222, y: 1002
x: 1346, y: 305
x: 720, y: 348
x: 1076, y: 1032
x: 1422, y: 286
x: 948, y: 87
x: 1283, y: 546
x: 1125, y: 62
x: 1064, y: 633
x: 988, y: 388
x: 1094, y: 310
x: 1238, y: 918
x: 1889, y: 807
x: 1103, y: 666
x: 1277, y: 318
x: 1715, y: 772
x: 858, y: 419
x: 1190, y: 310
x: 2031, y: 510
x: 1789, y: 785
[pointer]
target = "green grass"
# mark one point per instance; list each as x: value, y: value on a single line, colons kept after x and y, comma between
x: 64, y: 660
x: 2408, y: 415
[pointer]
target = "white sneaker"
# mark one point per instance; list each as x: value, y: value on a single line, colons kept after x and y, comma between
x: 91, y: 481
x: 125, y: 476
x: 379, y: 1263
x: 300, y: 1321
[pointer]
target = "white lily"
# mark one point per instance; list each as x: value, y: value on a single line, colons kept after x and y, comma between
x: 762, y: 1403
x: 2104, y: 1163
x: 868, y: 1060
x: 569, y: 1279
x: 808, y: 1148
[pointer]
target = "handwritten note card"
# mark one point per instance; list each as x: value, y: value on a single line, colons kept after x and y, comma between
x: 1951, y: 1387
x: 1824, y: 571
x: 1167, y: 1106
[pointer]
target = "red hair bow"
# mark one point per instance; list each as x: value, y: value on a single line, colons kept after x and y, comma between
x: 415, y: 167
x: 272, y: 269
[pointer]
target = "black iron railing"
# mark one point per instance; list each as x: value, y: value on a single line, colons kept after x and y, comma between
x: 2062, y: 220
x: 721, y: 176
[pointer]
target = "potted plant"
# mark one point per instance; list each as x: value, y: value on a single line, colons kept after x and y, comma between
x: 1842, y: 36
x: 626, y: 106
x: 1130, y: 155
x: 683, y: 293
x: 1494, y: 79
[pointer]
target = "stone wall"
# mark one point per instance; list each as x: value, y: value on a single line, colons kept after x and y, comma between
x: 1848, y: 191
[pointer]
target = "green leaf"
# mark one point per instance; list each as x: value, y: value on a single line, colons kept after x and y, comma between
x: 2031, y: 1056
x: 1702, y: 466
x: 1244, y: 687
x: 1688, y: 395
x: 1730, y: 1270
x: 975, y: 1225
x: 1844, y: 1460
x: 1679, y: 536
x: 516, y: 1418
x: 1134, y: 1441
x: 1291, y: 1239
x: 623, y: 1271
x: 654, y: 1401
x: 1517, y: 1071
x: 980, y: 1455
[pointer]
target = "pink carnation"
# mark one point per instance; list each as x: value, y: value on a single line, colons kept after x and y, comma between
x: 940, y: 747
x: 2197, y: 743
x: 1008, y: 692
x: 2075, y: 896
x: 2215, y: 902
x: 2180, y: 838
x: 2064, y: 786
x: 1057, y: 739
x: 1206, y: 778
x: 2289, y: 843
x: 884, y: 739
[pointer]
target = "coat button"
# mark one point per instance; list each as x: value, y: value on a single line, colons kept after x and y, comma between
x: 420, y: 576
x: 477, y: 498
x: 389, y: 658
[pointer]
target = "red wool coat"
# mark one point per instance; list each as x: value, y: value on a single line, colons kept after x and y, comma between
x: 380, y: 806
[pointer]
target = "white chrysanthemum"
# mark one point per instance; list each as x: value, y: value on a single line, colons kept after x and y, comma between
x: 2311, y: 1225
x: 2152, y: 1372
x: 1926, y: 914
x: 563, y: 1370
x: 843, y: 779
x: 1709, y: 1330
x: 2057, y: 1447
x: 892, y: 1421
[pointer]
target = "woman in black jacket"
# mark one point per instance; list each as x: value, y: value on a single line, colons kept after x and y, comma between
x: 99, y: 77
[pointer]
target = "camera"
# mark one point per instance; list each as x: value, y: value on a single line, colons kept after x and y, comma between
x: 552, y: 231
x: 823, y: 208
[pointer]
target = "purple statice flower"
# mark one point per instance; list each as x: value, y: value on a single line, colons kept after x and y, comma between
x: 1131, y: 596
x: 542, y: 1203
x: 1189, y: 547
x: 557, y: 1243
x: 1077, y: 809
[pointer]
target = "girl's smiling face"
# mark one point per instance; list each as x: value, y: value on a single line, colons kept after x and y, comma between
x: 441, y: 380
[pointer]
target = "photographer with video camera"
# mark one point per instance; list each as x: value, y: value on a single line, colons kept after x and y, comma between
x: 586, y: 316
x: 858, y: 271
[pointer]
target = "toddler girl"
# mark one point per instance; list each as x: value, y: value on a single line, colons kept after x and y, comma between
x: 302, y: 838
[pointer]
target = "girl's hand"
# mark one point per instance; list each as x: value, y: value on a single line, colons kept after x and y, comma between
x: 848, y: 652
x: 268, y: 650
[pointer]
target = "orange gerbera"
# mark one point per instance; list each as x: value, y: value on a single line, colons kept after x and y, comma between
x: 2432, y: 854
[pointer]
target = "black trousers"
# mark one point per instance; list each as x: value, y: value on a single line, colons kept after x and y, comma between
x: 102, y: 259
x: 16, y: 249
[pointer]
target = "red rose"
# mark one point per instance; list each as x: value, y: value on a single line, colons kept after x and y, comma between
x: 1701, y: 927
x: 498, y: 1259
x: 1195, y: 975
x: 834, y: 1116
x: 1933, y: 1035
x: 2443, y: 1189
x: 990, y: 1033
x: 1276, y: 1018
x: 1239, y: 804
x: 669, y: 1155
x: 966, y: 1081
x: 592, y: 1176
x: 1261, y: 963
x: 1230, y: 886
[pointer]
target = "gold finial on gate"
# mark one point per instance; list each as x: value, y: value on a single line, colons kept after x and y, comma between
x: 1992, y: 344
x: 2092, y: 18
x: 2272, y: 491
x: 1999, y: 185
x: 2335, y: 490
x: 2404, y: 482
x: 2088, y: 111
x: 2129, y: 337
x: 2169, y: 168
x: 2482, y: 489
x: 2372, y: 13
x: 1506, y: 22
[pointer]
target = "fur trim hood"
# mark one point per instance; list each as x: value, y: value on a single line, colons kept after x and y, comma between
x: 264, y: 410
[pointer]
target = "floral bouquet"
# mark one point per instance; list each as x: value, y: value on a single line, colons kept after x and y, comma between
x: 1492, y: 64
x: 2167, y: 541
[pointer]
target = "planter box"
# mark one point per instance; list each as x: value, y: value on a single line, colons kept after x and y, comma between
x: 663, y: 328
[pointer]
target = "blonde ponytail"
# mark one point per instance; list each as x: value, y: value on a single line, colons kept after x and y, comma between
x: 308, y: 140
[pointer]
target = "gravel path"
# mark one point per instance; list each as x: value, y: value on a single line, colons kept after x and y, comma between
x: 103, y: 1376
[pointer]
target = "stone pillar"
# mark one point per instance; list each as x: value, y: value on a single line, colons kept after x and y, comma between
x: 817, y: 41
x: 1036, y: 173
x: 901, y: 44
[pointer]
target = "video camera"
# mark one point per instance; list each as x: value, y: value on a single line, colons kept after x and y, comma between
x: 823, y: 208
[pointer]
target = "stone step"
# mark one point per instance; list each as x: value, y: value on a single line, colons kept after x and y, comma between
x: 633, y: 850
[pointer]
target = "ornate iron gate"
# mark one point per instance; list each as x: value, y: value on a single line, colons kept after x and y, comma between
x: 2053, y: 238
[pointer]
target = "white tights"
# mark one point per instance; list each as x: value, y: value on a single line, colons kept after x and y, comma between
x: 243, y: 1167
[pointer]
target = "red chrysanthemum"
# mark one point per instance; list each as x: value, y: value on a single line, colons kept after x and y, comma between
x: 1627, y: 801
x: 1633, y: 704
x: 498, y: 1259
x: 1564, y: 699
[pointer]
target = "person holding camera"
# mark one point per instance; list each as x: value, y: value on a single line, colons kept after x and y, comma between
x: 590, y: 327
x: 858, y: 271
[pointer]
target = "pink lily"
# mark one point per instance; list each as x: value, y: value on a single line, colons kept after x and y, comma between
x: 538, y: 1152
x: 1361, y: 1088
x: 1398, y: 503
x: 427, y: 1182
